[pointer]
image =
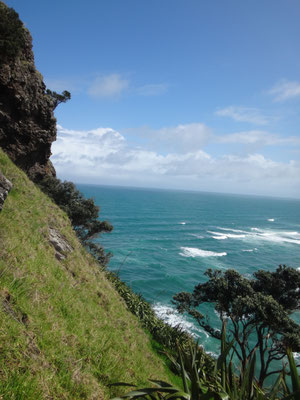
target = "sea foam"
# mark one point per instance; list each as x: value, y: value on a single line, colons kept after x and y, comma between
x: 194, y: 252
x: 249, y: 250
x: 256, y: 234
x: 171, y: 316
x: 222, y: 236
x: 277, y: 236
x: 231, y: 230
x: 196, y: 235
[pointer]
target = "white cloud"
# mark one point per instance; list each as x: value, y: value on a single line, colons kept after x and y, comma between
x: 285, y: 90
x: 184, y: 137
x: 262, y: 138
x: 244, y: 114
x: 104, y: 156
x: 154, y: 89
x: 108, y: 86
x: 86, y: 147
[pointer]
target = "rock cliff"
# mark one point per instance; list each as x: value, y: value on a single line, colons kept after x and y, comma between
x: 27, y: 123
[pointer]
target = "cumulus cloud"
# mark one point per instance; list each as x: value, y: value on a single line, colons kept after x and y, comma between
x: 108, y: 86
x: 244, y: 114
x: 285, y: 90
x: 105, y: 156
x: 155, y: 89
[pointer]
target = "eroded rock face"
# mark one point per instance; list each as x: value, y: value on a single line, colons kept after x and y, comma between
x: 5, y: 187
x: 62, y: 247
x: 27, y: 123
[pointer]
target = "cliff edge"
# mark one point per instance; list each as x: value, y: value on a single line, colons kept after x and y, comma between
x: 27, y: 122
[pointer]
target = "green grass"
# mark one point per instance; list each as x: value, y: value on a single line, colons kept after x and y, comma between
x: 65, y: 333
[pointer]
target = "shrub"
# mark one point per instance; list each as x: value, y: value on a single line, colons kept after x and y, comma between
x: 12, y: 33
x: 58, y: 98
x: 165, y: 334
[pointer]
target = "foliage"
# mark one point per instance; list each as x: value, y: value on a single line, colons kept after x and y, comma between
x: 217, y: 383
x: 295, y: 378
x: 197, y: 385
x: 58, y: 98
x: 220, y: 383
x: 260, y: 307
x: 98, y: 252
x: 162, y: 332
x: 12, y: 33
x: 82, y: 212
x: 78, y: 335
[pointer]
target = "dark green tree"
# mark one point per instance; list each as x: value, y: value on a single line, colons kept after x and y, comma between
x: 58, y: 98
x: 258, y: 312
x: 12, y: 33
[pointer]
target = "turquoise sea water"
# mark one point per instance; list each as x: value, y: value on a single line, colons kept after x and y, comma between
x: 163, y: 241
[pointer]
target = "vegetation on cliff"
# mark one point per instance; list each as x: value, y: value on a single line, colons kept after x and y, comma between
x: 65, y: 332
x: 220, y: 382
x: 12, y: 33
x: 83, y: 214
x: 58, y: 98
x: 255, y: 326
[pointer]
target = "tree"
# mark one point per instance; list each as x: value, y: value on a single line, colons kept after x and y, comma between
x: 58, y: 98
x: 258, y: 309
x: 12, y: 33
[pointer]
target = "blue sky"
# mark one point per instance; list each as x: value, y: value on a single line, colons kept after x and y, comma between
x: 200, y: 95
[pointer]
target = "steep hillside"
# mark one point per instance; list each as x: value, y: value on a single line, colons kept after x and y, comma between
x: 65, y: 333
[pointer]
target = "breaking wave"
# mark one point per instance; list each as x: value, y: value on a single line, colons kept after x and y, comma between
x: 257, y: 234
x: 249, y: 250
x: 172, y: 317
x: 222, y: 236
x: 196, y: 235
x: 194, y: 252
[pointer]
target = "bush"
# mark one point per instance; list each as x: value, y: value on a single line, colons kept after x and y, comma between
x: 12, y: 33
x: 58, y: 98
x: 165, y: 334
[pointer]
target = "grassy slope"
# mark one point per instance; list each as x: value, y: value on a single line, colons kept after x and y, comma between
x: 64, y: 332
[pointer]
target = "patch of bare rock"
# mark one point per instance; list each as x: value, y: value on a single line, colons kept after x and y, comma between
x: 60, y: 244
x: 5, y: 187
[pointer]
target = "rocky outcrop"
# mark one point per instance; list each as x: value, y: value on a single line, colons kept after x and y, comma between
x: 61, y: 246
x: 27, y: 123
x: 5, y: 187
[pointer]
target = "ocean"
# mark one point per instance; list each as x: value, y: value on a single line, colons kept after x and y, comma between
x: 163, y: 241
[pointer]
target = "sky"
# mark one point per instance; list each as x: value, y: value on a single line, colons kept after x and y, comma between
x: 179, y: 94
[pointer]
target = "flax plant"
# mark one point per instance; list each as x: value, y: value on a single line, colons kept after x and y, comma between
x: 200, y: 382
